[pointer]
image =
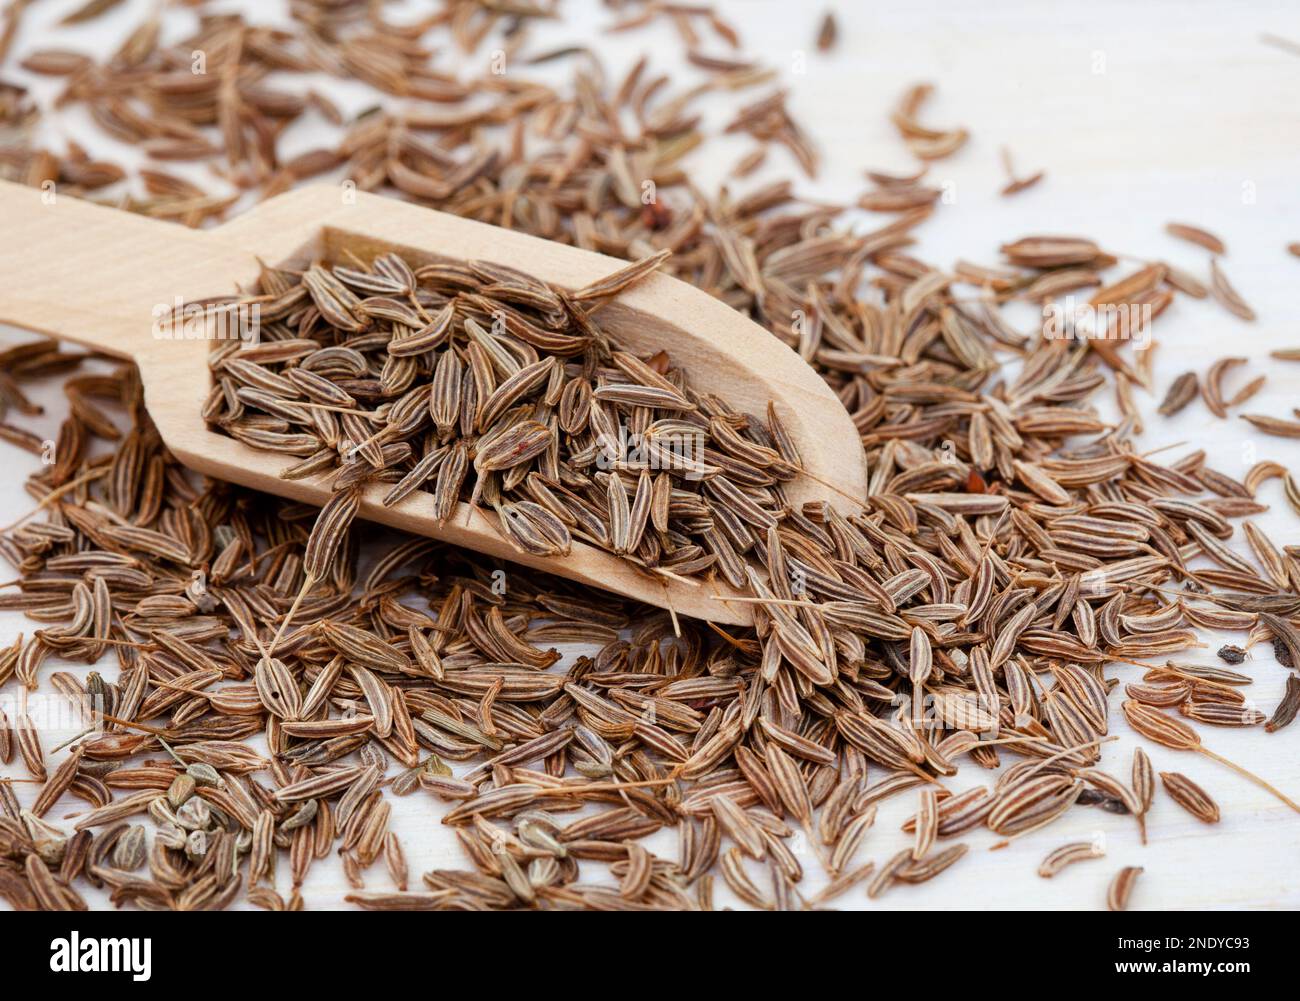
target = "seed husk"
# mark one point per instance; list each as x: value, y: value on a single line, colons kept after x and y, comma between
x: 1228, y: 296
x: 1181, y: 392
x: 1196, y: 235
x: 1286, y: 709
x: 1077, y: 851
x: 1190, y: 797
x: 1274, y: 425
x: 1121, y: 888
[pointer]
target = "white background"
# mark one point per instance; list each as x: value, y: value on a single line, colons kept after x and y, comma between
x: 1141, y: 113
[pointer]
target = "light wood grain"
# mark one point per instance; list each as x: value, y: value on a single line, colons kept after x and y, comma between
x: 96, y: 276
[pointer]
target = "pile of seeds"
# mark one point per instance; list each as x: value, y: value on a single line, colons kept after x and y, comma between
x: 1011, y: 544
x: 484, y: 382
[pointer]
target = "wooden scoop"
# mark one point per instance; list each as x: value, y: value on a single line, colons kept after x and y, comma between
x: 103, y: 277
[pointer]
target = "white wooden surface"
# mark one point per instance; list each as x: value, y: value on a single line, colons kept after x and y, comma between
x: 1140, y: 114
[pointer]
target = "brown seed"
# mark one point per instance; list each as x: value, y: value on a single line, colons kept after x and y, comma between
x: 1077, y: 851
x: 933, y: 864
x: 1211, y: 389
x: 927, y: 824
x: 1143, y: 782
x: 887, y: 873
x: 826, y: 33
x: 1190, y: 797
x: 1181, y: 392
x: 1121, y: 888
x: 1286, y: 709
x: 1159, y: 727
x: 329, y: 531
x: 1196, y: 235
x: 1228, y: 296
x: 1274, y: 425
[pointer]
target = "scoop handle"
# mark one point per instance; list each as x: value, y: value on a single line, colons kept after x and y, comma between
x: 100, y: 276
